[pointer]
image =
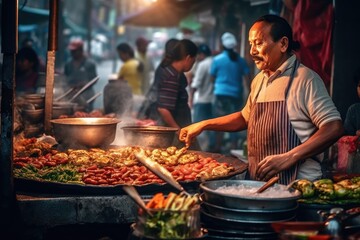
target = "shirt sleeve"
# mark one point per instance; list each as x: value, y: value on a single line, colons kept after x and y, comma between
x: 318, y: 103
x: 213, y: 69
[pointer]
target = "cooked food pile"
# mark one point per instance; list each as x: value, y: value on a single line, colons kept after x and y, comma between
x: 176, y: 216
x: 37, y: 160
x: 327, y: 191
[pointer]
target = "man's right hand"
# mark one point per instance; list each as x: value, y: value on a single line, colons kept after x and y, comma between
x: 188, y: 134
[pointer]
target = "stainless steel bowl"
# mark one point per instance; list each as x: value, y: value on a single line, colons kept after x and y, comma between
x: 149, y: 136
x: 33, y: 115
x: 84, y: 132
x: 250, y: 201
x: 63, y: 108
x: 37, y: 100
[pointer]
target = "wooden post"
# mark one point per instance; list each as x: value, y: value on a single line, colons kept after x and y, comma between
x: 50, y: 64
x: 9, y: 45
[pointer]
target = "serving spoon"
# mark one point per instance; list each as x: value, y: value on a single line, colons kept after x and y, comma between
x: 268, y: 184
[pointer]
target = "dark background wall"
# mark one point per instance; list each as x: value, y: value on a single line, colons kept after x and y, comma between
x: 346, y: 53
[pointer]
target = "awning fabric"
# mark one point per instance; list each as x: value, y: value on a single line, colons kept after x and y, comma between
x: 163, y: 13
x: 30, y: 16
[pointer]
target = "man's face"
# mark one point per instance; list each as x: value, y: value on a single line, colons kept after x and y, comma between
x: 266, y: 53
x: 142, y: 47
x: 189, y: 63
x: 76, y: 53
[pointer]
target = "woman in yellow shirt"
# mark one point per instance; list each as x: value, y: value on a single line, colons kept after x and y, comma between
x: 131, y: 69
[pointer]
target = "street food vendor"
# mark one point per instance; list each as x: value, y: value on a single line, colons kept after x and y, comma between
x: 289, y: 115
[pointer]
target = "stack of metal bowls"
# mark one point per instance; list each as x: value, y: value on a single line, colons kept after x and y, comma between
x: 244, y: 216
x: 33, y: 114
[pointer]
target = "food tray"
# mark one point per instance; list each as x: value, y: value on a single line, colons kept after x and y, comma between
x: 30, y: 185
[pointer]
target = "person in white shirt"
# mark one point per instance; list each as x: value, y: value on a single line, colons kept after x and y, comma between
x: 201, y: 95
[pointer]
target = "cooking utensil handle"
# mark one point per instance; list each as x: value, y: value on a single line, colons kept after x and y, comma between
x: 93, y: 97
x: 64, y: 95
x: 268, y: 184
x: 131, y: 191
x: 84, y: 88
x: 159, y: 170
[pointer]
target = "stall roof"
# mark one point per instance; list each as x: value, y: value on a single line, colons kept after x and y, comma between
x: 164, y: 13
x: 30, y: 16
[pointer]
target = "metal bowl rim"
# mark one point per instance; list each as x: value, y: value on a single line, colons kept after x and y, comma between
x: 209, y: 215
x: 237, y: 210
x: 89, y: 121
x: 296, y: 193
x: 33, y: 111
x: 34, y: 96
x: 150, y: 129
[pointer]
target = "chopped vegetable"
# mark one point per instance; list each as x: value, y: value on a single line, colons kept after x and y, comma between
x: 174, y: 218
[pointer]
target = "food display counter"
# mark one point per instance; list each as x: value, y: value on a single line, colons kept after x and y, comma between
x: 48, y: 198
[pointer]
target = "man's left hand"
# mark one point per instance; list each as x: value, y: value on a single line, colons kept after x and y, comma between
x: 272, y: 165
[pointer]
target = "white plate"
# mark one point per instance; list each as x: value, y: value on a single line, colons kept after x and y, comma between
x: 239, y: 153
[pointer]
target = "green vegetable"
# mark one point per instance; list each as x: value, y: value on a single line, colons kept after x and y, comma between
x: 59, y: 173
x: 306, y: 187
x: 325, y: 189
x: 340, y: 191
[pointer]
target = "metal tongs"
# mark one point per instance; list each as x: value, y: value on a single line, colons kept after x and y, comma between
x: 70, y: 90
x: 159, y: 170
x: 84, y: 88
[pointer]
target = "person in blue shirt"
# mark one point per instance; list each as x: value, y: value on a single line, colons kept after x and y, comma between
x: 229, y: 73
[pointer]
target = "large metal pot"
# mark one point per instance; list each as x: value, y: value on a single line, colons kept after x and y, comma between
x: 149, y: 136
x: 84, y: 132
x: 250, y: 201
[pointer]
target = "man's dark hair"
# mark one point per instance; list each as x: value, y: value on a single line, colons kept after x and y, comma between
x: 280, y: 28
x: 126, y: 48
x: 203, y: 48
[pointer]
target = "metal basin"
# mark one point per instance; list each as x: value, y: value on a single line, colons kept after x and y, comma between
x: 149, y: 136
x: 211, y: 195
x: 84, y: 132
x: 249, y: 214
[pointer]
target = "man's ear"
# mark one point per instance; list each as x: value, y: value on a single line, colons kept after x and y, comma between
x: 284, y: 44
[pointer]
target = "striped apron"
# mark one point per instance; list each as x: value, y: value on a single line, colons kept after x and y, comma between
x: 270, y: 132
